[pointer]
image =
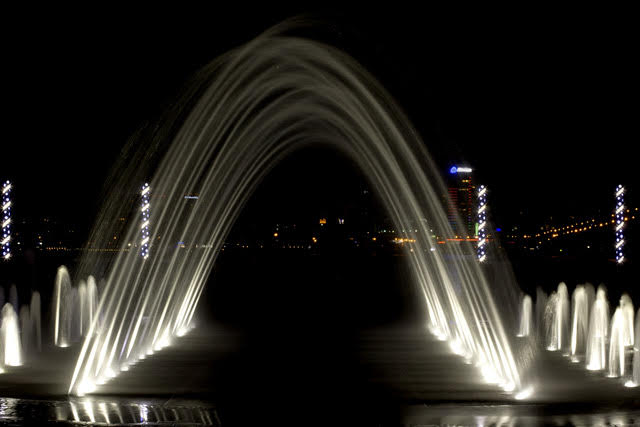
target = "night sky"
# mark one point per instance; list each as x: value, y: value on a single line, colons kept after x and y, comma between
x: 542, y: 104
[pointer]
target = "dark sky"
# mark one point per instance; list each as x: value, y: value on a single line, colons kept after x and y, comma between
x: 541, y: 103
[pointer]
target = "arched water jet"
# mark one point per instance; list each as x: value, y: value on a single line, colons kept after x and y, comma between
x: 598, y: 332
x: 263, y: 101
x: 525, y: 317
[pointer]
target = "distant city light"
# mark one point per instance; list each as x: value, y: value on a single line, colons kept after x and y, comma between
x: 146, y: 211
x: 6, y: 220
x: 460, y: 169
x: 620, y: 219
x: 482, y: 223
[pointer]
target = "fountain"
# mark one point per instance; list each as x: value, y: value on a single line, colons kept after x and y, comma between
x: 622, y: 336
x: 579, y: 322
x: 250, y: 109
x: 541, y: 305
x: 598, y: 332
x: 635, y: 377
x: 617, y: 341
x: 74, y: 308
x: 13, y: 298
x: 525, y: 317
x: 11, y: 354
x: 626, y: 305
x: 557, y: 320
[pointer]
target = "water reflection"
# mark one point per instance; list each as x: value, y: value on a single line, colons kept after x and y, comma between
x: 518, y: 415
x: 90, y: 411
x: 96, y: 411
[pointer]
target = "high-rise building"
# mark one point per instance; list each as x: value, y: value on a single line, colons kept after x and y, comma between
x: 461, y: 203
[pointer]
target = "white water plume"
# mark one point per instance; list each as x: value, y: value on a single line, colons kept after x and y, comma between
x: 11, y: 353
x: 30, y: 326
x: 525, y: 317
x: 617, y: 344
x: 626, y: 305
x: 256, y: 105
x: 13, y: 298
x: 580, y: 306
x: 621, y: 337
x: 557, y: 320
x: 635, y: 376
x: 597, y: 339
x: 541, y: 306
x: 74, y: 308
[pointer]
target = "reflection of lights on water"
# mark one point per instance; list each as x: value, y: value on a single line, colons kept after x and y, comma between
x: 103, y: 411
x: 74, y: 411
x: 144, y: 413
x: 524, y: 394
x: 631, y: 384
x: 88, y: 408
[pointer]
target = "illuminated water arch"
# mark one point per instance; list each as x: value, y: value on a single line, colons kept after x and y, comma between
x: 261, y: 102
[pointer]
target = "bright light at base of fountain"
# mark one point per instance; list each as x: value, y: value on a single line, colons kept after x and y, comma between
x: 631, y: 384
x: 509, y: 387
x: 85, y: 387
x: 524, y: 394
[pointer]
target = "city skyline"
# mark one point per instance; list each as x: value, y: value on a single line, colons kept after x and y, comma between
x: 546, y: 143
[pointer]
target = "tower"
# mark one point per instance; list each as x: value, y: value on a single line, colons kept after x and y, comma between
x: 461, y: 192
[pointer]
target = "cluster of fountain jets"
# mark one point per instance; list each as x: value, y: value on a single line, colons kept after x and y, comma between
x: 20, y: 328
x: 582, y: 329
x: 74, y: 308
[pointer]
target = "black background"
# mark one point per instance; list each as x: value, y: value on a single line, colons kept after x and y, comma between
x: 540, y: 102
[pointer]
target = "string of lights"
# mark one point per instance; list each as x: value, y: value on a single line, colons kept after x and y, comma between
x: 482, y: 223
x: 6, y: 220
x: 620, y: 222
x: 146, y: 211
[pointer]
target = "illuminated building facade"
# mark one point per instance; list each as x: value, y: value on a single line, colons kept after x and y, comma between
x: 461, y: 193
